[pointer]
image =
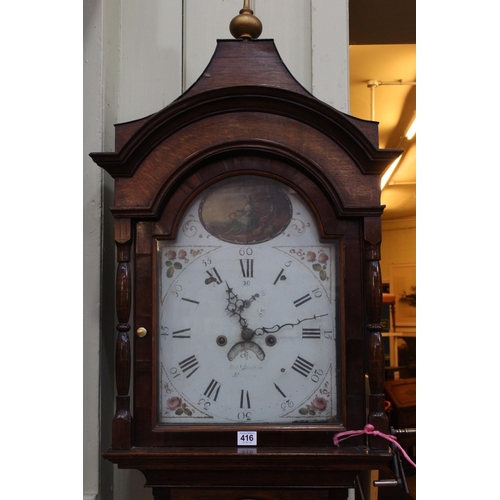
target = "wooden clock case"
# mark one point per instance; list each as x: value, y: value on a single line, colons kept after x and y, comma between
x: 247, y: 115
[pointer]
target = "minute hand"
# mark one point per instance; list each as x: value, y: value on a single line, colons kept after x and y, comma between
x: 277, y: 328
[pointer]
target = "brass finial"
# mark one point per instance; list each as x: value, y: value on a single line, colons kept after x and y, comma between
x: 246, y: 25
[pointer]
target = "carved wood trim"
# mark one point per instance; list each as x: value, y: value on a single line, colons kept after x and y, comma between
x: 373, y: 287
x: 122, y: 421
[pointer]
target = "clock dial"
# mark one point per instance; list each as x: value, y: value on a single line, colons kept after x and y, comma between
x: 247, y: 328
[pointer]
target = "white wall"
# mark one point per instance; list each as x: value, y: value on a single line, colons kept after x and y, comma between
x: 138, y: 57
x: 92, y: 217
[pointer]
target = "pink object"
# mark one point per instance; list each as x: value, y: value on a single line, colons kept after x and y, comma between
x: 369, y: 429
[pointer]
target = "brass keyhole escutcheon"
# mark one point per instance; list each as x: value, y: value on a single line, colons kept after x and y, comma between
x: 141, y: 332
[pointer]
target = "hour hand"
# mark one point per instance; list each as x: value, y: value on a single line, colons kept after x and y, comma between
x: 230, y: 294
x: 235, y: 305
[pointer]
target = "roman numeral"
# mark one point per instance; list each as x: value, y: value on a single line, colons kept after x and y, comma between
x: 280, y: 391
x: 244, y: 399
x: 280, y: 276
x: 302, y: 366
x: 311, y: 333
x: 247, y: 267
x: 182, y: 334
x: 213, y: 276
x: 189, y: 365
x: 190, y: 300
x: 212, y: 390
x: 302, y: 300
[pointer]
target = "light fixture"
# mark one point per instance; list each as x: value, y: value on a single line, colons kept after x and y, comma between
x: 412, y: 128
x: 389, y: 172
x: 410, y: 132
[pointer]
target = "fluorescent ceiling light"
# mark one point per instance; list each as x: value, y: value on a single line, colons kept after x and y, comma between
x: 412, y: 129
x: 389, y: 172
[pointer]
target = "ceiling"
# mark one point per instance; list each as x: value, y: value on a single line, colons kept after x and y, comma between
x: 383, y: 48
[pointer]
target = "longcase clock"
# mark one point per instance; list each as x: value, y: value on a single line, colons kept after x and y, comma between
x: 248, y: 290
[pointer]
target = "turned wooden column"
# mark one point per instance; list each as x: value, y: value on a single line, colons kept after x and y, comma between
x: 373, y: 287
x: 122, y: 421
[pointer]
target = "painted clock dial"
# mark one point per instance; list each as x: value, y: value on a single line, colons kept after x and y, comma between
x: 246, y: 310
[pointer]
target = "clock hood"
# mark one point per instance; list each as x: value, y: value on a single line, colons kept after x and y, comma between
x: 248, y: 95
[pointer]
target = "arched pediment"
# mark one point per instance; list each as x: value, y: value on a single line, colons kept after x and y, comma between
x: 246, y: 110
